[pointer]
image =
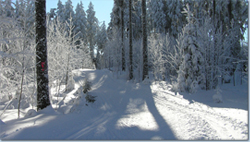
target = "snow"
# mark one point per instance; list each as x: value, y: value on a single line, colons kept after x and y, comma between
x: 125, y: 110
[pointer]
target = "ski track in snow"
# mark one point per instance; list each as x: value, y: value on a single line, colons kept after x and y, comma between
x: 129, y: 111
x: 202, y: 121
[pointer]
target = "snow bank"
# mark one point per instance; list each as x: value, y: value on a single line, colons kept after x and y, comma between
x: 30, y: 113
x: 48, y: 110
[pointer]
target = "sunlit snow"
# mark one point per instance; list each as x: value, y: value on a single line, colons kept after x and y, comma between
x: 125, y: 110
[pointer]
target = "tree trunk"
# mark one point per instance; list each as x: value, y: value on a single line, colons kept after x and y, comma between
x: 91, y: 46
x: 144, y: 41
x: 213, y: 60
x: 67, y: 74
x: 130, y: 41
x: 20, y: 96
x: 41, y: 56
x: 122, y: 32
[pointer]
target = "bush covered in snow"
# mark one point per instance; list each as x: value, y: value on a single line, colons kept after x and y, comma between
x: 217, y: 97
x: 86, y: 86
x: 90, y: 98
x: 86, y: 89
x: 71, y: 83
x: 30, y: 113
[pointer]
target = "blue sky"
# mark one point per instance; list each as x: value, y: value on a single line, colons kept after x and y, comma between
x: 102, y: 8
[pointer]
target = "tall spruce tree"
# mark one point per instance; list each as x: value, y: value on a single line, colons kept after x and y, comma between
x: 101, y: 39
x: 60, y: 12
x: 176, y: 19
x: 80, y: 23
x: 68, y: 11
x: 92, y: 22
x: 191, y: 70
x: 41, y: 56
x: 158, y: 16
x: 136, y: 19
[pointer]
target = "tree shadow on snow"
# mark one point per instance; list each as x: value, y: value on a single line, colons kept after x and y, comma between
x: 109, y: 118
x: 123, y: 101
x: 228, y: 101
x: 235, y: 97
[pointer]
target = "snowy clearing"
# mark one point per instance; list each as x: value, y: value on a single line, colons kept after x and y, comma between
x: 133, y: 111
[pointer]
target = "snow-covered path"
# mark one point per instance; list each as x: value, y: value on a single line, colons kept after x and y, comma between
x: 199, y: 121
x: 129, y: 111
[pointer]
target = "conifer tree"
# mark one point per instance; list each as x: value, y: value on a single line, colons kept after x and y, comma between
x: 68, y: 11
x: 80, y: 23
x: 137, y: 19
x: 91, y: 29
x: 158, y: 16
x: 191, y: 70
x: 60, y: 12
x: 101, y: 39
x: 8, y: 10
x: 175, y: 17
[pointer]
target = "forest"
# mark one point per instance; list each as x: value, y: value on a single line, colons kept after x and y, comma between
x: 192, y: 45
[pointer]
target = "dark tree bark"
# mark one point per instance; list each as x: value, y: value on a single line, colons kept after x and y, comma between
x: 144, y: 41
x: 130, y: 42
x: 230, y: 10
x: 41, y: 56
x: 122, y: 32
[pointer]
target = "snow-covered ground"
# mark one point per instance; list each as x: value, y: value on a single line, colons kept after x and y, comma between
x: 124, y: 110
